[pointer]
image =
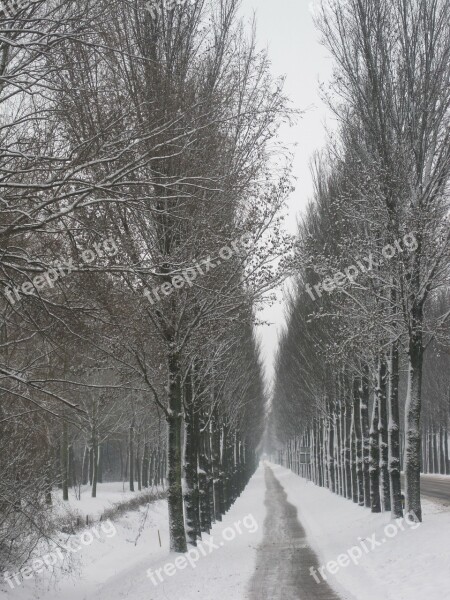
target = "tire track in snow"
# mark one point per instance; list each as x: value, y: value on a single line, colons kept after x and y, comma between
x: 284, y: 556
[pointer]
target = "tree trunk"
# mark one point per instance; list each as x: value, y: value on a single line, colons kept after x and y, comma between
x: 358, y: 439
x: 446, y: 462
x: 364, y: 415
x: 435, y: 450
x: 347, y: 448
x: 100, y: 464
x: 65, y: 461
x: 152, y: 476
x: 191, y: 496
x: 375, y: 501
x: 383, y: 433
x: 354, y: 469
x: 216, y: 471
x: 318, y: 447
x: 412, y: 427
x: 138, y: 463
x: 330, y: 452
x: 95, y: 457
x: 95, y: 461
x: 205, y: 515
x: 145, y: 466
x: 85, y: 467
x: 131, y: 455
x: 394, y: 434
x: 91, y: 464
x: 441, y: 451
x: 174, y: 492
x: 429, y: 443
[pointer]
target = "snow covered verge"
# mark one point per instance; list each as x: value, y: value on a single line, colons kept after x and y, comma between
x: 394, y: 561
x: 79, y: 523
x: 132, y: 563
x: 109, y: 494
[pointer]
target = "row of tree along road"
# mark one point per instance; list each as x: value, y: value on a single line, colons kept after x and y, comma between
x: 362, y: 372
x: 156, y: 129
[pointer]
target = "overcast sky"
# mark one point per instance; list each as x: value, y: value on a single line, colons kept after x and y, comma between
x: 286, y: 27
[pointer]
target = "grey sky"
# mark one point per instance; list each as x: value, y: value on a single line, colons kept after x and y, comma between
x: 286, y: 27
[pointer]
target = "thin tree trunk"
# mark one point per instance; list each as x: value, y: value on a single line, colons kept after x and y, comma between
x: 330, y: 452
x: 94, y: 437
x: 91, y: 464
x: 138, y: 462
x: 435, y: 450
x: 375, y: 501
x: 95, y: 460
x: 85, y: 466
x: 441, y: 451
x: 446, y: 461
x: 174, y: 492
x: 145, y: 466
x: 383, y: 433
x: 364, y: 415
x: 394, y: 434
x: 429, y: 444
x: 358, y: 439
x: 217, y: 480
x: 65, y: 461
x: 205, y: 515
x: 348, y: 442
x: 191, y: 500
x: 131, y: 455
x: 354, y: 454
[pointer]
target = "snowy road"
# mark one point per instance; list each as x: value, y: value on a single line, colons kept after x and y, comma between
x: 284, y: 557
x: 435, y: 486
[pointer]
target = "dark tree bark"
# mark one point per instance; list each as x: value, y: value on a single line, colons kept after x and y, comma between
x: 174, y: 492
x: 446, y: 461
x: 394, y: 434
x: 375, y: 501
x: 191, y: 497
x: 216, y: 470
x: 145, y: 466
x: 131, y: 455
x: 412, y: 424
x: 203, y: 475
x: 331, y: 470
x: 358, y: 439
x: 65, y: 461
x: 383, y: 433
x: 348, y: 463
x: 364, y: 415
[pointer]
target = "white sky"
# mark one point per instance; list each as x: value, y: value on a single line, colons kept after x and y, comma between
x: 286, y: 27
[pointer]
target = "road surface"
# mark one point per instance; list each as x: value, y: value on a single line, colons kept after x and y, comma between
x: 434, y: 486
x: 284, y: 557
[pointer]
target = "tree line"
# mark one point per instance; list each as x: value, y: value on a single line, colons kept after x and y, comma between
x: 361, y: 387
x: 157, y: 130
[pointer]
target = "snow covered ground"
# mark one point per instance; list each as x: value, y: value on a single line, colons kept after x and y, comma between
x: 108, y: 494
x: 413, y: 564
x: 127, y: 561
x: 126, y: 565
